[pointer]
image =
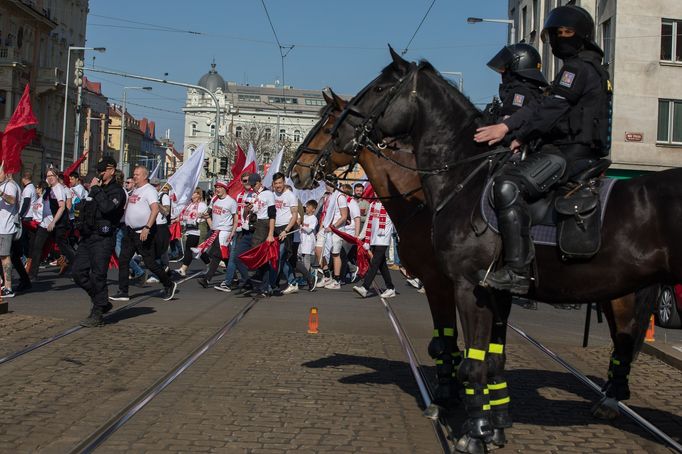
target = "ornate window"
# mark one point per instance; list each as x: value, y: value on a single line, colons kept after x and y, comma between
x: 282, y: 134
x: 297, y: 135
x: 238, y: 131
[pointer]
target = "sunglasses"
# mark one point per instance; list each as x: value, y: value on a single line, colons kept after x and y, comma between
x: 245, y: 181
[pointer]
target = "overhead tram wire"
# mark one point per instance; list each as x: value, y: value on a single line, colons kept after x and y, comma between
x: 418, y: 27
x: 282, y: 55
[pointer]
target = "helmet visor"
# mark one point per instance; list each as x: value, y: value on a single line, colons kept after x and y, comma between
x: 502, y: 60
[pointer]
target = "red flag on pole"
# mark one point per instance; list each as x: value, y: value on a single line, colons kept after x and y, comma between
x: 16, y: 136
x: 362, y: 257
x: 239, y: 162
x: 369, y: 191
x: 73, y: 167
x: 260, y: 255
x: 235, y: 186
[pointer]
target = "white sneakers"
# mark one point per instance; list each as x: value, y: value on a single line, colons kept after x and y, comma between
x: 152, y: 280
x: 292, y: 288
x: 360, y: 290
x: 388, y: 293
x: 333, y: 285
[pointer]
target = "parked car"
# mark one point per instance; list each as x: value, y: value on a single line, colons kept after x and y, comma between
x: 669, y: 306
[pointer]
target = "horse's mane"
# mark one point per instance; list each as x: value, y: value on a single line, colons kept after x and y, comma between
x: 464, y: 103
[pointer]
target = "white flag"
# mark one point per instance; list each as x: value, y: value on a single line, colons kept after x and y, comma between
x: 275, y: 164
x: 155, y: 172
x: 184, y: 181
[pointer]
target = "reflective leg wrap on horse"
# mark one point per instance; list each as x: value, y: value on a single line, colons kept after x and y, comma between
x: 617, y: 385
x: 477, y: 430
x: 499, y: 394
x: 443, y: 349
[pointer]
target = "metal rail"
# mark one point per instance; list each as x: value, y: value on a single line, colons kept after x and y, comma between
x: 440, y: 426
x: 627, y: 411
x: 73, y: 329
x: 103, y: 433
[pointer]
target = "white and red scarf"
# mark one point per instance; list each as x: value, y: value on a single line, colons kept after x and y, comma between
x: 377, y: 212
x: 222, y: 236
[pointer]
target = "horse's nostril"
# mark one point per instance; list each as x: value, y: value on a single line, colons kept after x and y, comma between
x: 294, y: 176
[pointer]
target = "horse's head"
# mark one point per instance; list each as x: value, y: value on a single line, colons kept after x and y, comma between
x: 316, y: 156
x: 385, y: 107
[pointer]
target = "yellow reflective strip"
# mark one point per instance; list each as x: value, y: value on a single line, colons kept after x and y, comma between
x: 449, y: 332
x: 615, y: 361
x: 436, y: 333
x: 486, y: 391
x: 439, y: 361
x: 473, y: 353
x: 504, y: 400
x: 496, y: 386
x: 469, y: 391
x: 486, y: 407
x: 496, y: 348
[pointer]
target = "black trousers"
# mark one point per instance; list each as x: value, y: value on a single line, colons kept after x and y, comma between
x: 131, y: 244
x: 216, y: 256
x: 91, y: 264
x: 378, y: 264
x: 41, y: 236
x: 162, y: 241
x: 190, y: 242
x: 61, y: 237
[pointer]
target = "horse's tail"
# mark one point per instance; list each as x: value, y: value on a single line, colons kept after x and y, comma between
x: 645, y: 304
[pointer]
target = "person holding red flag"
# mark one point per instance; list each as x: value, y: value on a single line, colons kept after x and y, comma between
x: 223, y: 225
x: 242, y: 240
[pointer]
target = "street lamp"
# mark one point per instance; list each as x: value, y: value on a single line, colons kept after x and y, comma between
x: 459, y: 75
x: 123, y: 122
x: 512, y: 35
x: 66, y: 93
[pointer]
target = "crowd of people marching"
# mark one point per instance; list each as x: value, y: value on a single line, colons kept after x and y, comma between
x: 272, y: 241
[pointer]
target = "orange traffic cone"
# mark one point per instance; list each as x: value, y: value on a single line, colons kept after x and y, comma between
x: 650, y: 331
x: 313, y: 321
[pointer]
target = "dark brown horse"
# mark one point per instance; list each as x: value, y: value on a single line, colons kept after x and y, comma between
x: 625, y: 322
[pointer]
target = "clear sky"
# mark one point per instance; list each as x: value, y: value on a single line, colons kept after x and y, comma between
x: 340, y: 44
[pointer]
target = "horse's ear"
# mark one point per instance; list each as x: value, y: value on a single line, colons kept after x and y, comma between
x: 338, y: 100
x: 328, y: 99
x: 398, y: 61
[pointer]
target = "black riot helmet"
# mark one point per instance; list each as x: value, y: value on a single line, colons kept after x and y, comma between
x: 575, y: 18
x: 521, y: 59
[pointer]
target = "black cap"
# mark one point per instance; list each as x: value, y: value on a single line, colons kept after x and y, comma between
x: 105, y: 162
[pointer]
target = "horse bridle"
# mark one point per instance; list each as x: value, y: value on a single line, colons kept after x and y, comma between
x: 322, y: 156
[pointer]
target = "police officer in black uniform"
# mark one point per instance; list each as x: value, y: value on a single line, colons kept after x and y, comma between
x: 100, y: 214
x: 572, y: 126
x: 522, y: 80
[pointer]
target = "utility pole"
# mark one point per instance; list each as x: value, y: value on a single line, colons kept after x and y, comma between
x: 79, y: 100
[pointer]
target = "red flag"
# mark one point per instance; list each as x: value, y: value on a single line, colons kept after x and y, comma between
x: 369, y: 191
x: 175, y: 231
x: 113, y: 261
x: 260, y: 255
x: 239, y: 162
x: 16, y: 136
x: 69, y: 170
x: 362, y: 257
x: 235, y: 186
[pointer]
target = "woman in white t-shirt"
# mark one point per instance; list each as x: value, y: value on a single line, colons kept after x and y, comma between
x: 190, y: 218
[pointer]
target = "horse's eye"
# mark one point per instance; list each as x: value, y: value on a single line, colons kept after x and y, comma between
x: 379, y: 89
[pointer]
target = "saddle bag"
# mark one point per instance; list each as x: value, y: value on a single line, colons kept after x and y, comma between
x: 579, y: 223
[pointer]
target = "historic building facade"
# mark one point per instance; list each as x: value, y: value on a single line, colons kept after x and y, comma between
x: 643, y: 51
x: 268, y: 116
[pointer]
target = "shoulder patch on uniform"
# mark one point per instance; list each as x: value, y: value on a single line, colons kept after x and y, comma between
x: 567, y: 79
x: 518, y: 100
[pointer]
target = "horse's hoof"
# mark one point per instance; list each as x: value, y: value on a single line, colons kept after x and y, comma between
x: 498, y: 440
x: 433, y: 411
x: 606, y: 408
x: 470, y: 445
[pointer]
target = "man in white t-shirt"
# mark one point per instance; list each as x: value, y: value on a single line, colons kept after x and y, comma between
x: 241, y: 241
x: 223, y: 225
x: 78, y: 194
x: 352, y: 227
x: 9, y: 217
x: 28, y: 199
x: 264, y: 207
x: 334, y: 213
x: 140, y: 217
x: 286, y: 220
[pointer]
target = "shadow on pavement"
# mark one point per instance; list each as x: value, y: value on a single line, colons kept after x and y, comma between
x: 538, y: 396
x: 129, y: 313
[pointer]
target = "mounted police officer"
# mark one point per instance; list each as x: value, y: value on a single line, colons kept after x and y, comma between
x: 522, y: 82
x: 100, y: 214
x: 572, y: 127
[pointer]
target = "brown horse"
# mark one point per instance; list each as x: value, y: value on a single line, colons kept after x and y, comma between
x: 395, y: 183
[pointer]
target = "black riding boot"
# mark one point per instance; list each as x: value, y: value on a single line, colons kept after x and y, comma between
x: 514, y: 224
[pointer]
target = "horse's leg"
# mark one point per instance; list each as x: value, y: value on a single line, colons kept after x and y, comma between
x: 628, y: 318
x: 474, y: 307
x: 496, y: 358
x: 443, y: 346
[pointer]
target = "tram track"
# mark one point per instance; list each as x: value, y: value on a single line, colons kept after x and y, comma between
x: 76, y: 328
x: 101, y: 434
x: 445, y: 433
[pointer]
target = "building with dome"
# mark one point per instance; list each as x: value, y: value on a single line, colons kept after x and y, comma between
x: 268, y: 116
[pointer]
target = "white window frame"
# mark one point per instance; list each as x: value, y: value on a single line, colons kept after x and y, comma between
x: 282, y: 134
x: 671, y: 122
x: 676, y: 23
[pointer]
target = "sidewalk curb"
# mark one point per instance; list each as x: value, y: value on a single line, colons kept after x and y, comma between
x: 662, y: 353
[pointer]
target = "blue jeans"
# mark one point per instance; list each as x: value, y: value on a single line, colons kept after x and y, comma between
x: 134, y: 267
x: 240, y: 243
